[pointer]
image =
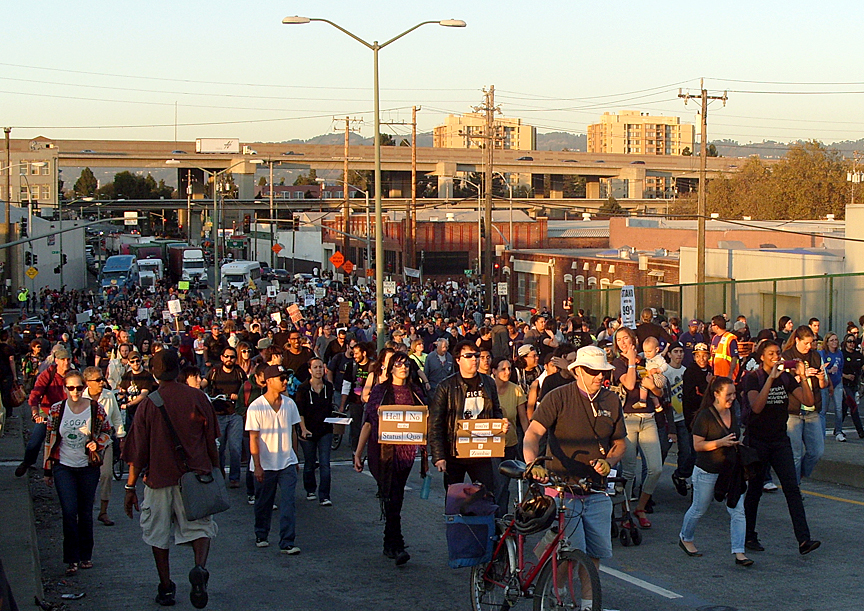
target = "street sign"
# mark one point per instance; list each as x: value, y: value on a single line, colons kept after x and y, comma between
x: 502, y: 288
x: 348, y: 266
x: 32, y: 272
x: 337, y: 259
x: 628, y: 306
x: 389, y: 287
x: 130, y: 218
x: 370, y: 272
x: 469, y: 272
x: 277, y: 248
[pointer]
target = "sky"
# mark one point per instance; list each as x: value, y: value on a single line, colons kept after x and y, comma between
x: 130, y: 70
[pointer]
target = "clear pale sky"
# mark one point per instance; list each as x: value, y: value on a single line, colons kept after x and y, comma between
x: 69, y: 70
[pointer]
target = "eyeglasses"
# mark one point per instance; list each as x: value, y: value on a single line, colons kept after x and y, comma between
x: 244, y: 351
x: 75, y: 388
x: 470, y: 355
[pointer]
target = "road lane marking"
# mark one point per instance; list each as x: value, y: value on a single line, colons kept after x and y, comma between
x: 641, y: 583
x: 832, y: 498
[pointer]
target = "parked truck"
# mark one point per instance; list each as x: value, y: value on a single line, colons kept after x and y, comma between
x: 150, y: 272
x: 186, y: 263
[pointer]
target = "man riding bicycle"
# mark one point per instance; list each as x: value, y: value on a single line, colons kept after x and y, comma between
x: 586, y: 438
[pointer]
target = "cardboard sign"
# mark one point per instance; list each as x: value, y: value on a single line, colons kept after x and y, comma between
x: 294, y: 313
x: 481, y: 438
x: 344, y: 313
x: 276, y: 317
x: 82, y: 318
x: 628, y: 306
x: 166, y: 315
x: 183, y: 285
x: 254, y: 302
x: 309, y: 301
x: 272, y: 291
x: 174, y: 306
x: 403, y: 424
x: 218, y: 312
x: 320, y: 292
x: 143, y: 314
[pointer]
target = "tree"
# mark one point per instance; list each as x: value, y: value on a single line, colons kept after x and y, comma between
x: 611, y: 207
x: 262, y: 182
x: 307, y: 179
x: 687, y: 152
x: 387, y: 140
x: 712, y: 150
x: 574, y: 186
x: 86, y: 184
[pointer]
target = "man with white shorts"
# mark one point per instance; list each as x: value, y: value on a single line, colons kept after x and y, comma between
x: 149, y: 449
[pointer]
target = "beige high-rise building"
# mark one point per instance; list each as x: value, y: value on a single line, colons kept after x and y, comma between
x: 633, y: 132
x: 457, y: 132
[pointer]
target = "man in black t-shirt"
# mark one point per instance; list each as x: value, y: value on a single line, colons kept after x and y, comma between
x: 586, y: 436
x: 134, y: 386
x: 213, y: 346
x: 226, y: 380
x: 296, y: 357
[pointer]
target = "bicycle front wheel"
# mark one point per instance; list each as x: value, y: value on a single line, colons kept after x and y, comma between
x: 336, y: 441
x: 577, y: 578
x: 489, y: 582
x: 117, y: 468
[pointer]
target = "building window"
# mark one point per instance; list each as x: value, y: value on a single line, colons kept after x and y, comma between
x: 46, y: 169
x: 46, y: 193
x: 298, y: 194
x: 520, y: 290
x: 532, y: 288
x: 22, y: 169
x: 34, y: 169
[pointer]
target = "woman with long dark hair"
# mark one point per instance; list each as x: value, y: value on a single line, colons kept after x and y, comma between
x: 768, y: 391
x: 804, y: 425
x: 715, y: 437
x: 390, y: 464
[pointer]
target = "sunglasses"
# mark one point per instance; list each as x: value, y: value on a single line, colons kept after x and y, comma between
x: 470, y: 355
x: 592, y: 372
x: 245, y: 351
x: 401, y: 363
x: 132, y: 361
x: 75, y: 388
x: 229, y: 356
x: 96, y: 380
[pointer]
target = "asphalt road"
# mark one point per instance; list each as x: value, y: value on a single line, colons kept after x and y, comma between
x: 341, y: 565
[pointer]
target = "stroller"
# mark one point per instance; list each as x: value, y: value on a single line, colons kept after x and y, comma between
x: 621, y: 504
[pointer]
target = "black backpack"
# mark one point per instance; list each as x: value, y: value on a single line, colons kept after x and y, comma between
x: 743, y: 399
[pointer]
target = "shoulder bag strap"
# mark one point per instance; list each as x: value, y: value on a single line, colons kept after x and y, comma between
x: 157, y: 400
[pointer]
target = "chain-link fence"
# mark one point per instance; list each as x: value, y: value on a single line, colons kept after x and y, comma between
x: 833, y: 299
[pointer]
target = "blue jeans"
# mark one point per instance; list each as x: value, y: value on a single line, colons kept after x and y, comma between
x: 317, y: 448
x: 589, y: 519
x: 808, y: 441
x: 231, y: 438
x: 686, y: 454
x: 265, y: 494
x: 703, y: 494
x: 642, y: 434
x: 837, y: 398
x: 200, y: 361
x: 76, y: 489
x: 37, y: 438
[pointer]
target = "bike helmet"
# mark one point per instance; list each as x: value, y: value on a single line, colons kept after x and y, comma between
x: 535, y: 514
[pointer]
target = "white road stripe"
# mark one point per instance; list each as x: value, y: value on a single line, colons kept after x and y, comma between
x: 640, y: 583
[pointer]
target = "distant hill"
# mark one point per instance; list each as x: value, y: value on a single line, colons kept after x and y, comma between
x: 558, y: 141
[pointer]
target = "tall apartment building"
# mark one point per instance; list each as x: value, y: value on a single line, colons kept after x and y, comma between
x: 633, y: 132
x: 457, y: 133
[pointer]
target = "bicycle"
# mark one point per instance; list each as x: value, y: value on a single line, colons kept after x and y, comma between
x: 499, y: 584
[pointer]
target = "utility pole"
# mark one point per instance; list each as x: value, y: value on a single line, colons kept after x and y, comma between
x: 9, y: 258
x: 702, y: 193
x: 412, y: 207
x: 489, y: 137
x: 346, y: 207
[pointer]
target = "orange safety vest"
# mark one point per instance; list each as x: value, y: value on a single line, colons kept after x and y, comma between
x: 721, y: 359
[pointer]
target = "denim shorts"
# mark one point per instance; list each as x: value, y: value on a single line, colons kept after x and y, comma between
x: 589, y: 522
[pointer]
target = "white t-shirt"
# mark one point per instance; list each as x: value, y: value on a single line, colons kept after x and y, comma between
x: 675, y: 379
x: 74, y: 434
x: 275, y: 429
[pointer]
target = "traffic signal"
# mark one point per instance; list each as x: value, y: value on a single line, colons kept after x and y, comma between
x: 482, y: 228
x: 57, y: 270
x: 28, y: 258
x: 63, y: 258
x: 23, y: 228
x: 35, y: 259
x: 247, y: 224
x: 296, y: 223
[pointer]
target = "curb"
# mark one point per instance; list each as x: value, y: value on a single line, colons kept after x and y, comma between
x: 837, y: 472
x: 19, y: 546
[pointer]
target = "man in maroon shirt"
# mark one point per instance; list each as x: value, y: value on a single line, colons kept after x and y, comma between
x: 149, y: 449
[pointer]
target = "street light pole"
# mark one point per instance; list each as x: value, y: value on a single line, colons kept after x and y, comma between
x: 379, y: 223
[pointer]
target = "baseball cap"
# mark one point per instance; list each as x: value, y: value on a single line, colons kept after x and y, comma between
x: 739, y: 325
x: 694, y: 323
x: 701, y: 347
x: 62, y: 353
x: 274, y: 371
x: 524, y: 349
x: 263, y: 343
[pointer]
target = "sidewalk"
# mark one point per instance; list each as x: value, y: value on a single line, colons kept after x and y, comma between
x: 842, y: 463
x: 19, y: 548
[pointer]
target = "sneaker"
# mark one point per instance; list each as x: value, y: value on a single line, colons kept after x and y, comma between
x: 310, y: 496
x: 250, y: 499
x: 402, y: 557
x: 275, y: 506
x: 21, y: 469
x: 754, y: 546
x: 291, y: 550
x: 680, y: 484
x: 198, y: 577
x: 326, y: 503
x: 234, y: 483
x: 808, y: 546
x: 769, y: 487
x: 840, y: 436
x: 261, y: 542
x: 165, y: 597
